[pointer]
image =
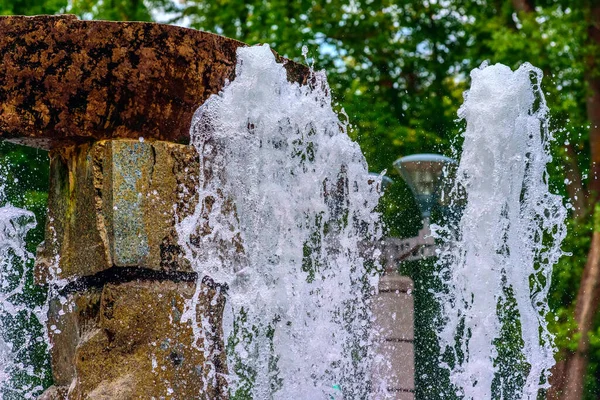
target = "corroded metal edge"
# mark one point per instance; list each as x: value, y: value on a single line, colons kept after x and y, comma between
x: 63, y: 80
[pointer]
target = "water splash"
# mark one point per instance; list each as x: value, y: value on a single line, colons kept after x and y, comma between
x: 14, y: 260
x: 509, y: 236
x: 284, y: 201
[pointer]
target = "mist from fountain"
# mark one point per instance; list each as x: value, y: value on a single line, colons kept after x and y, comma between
x: 497, y: 261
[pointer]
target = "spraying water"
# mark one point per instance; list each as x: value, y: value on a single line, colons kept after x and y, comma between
x: 14, y: 259
x: 509, y: 234
x: 284, y: 201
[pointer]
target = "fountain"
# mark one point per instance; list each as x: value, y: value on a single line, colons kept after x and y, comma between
x: 147, y: 240
x: 112, y: 102
x: 508, y: 238
x: 236, y: 267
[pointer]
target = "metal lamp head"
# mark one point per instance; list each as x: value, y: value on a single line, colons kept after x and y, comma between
x: 422, y: 173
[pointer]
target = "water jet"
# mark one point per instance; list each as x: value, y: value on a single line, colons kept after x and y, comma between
x: 143, y: 235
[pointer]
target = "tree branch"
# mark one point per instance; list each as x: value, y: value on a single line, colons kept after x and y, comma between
x: 526, y: 6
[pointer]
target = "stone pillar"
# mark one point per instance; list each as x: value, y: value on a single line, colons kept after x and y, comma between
x: 393, y: 309
x: 113, y: 204
x: 116, y: 328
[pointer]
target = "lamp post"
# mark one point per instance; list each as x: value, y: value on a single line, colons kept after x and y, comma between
x: 422, y: 173
x: 393, y: 305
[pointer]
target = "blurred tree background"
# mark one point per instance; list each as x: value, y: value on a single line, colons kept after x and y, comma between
x: 399, y: 69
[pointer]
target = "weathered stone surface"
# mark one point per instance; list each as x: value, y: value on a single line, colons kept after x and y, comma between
x: 54, y: 393
x: 63, y: 79
x: 89, y: 90
x: 127, y: 341
x: 114, y: 203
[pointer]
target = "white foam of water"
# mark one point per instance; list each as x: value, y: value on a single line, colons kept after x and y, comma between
x: 510, y: 231
x: 285, y: 200
x: 14, y: 225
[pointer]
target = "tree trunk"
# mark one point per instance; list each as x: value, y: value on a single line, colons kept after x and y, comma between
x: 524, y: 5
x: 586, y: 305
x: 592, y: 77
x: 557, y: 380
x: 585, y: 310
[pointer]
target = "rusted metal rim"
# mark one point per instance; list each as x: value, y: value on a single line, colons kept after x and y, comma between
x: 63, y: 80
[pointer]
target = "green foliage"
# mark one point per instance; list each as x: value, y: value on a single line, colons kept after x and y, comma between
x: 31, y: 7
x: 119, y: 10
x: 250, y: 337
x: 401, y: 215
x: 24, y: 172
x: 388, y: 64
x: 565, y: 285
x: 432, y: 381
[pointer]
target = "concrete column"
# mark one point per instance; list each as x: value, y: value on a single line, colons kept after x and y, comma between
x: 393, y: 309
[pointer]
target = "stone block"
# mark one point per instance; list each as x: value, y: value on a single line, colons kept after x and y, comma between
x: 54, y: 393
x: 115, y: 203
x: 394, y: 395
x: 128, y: 341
